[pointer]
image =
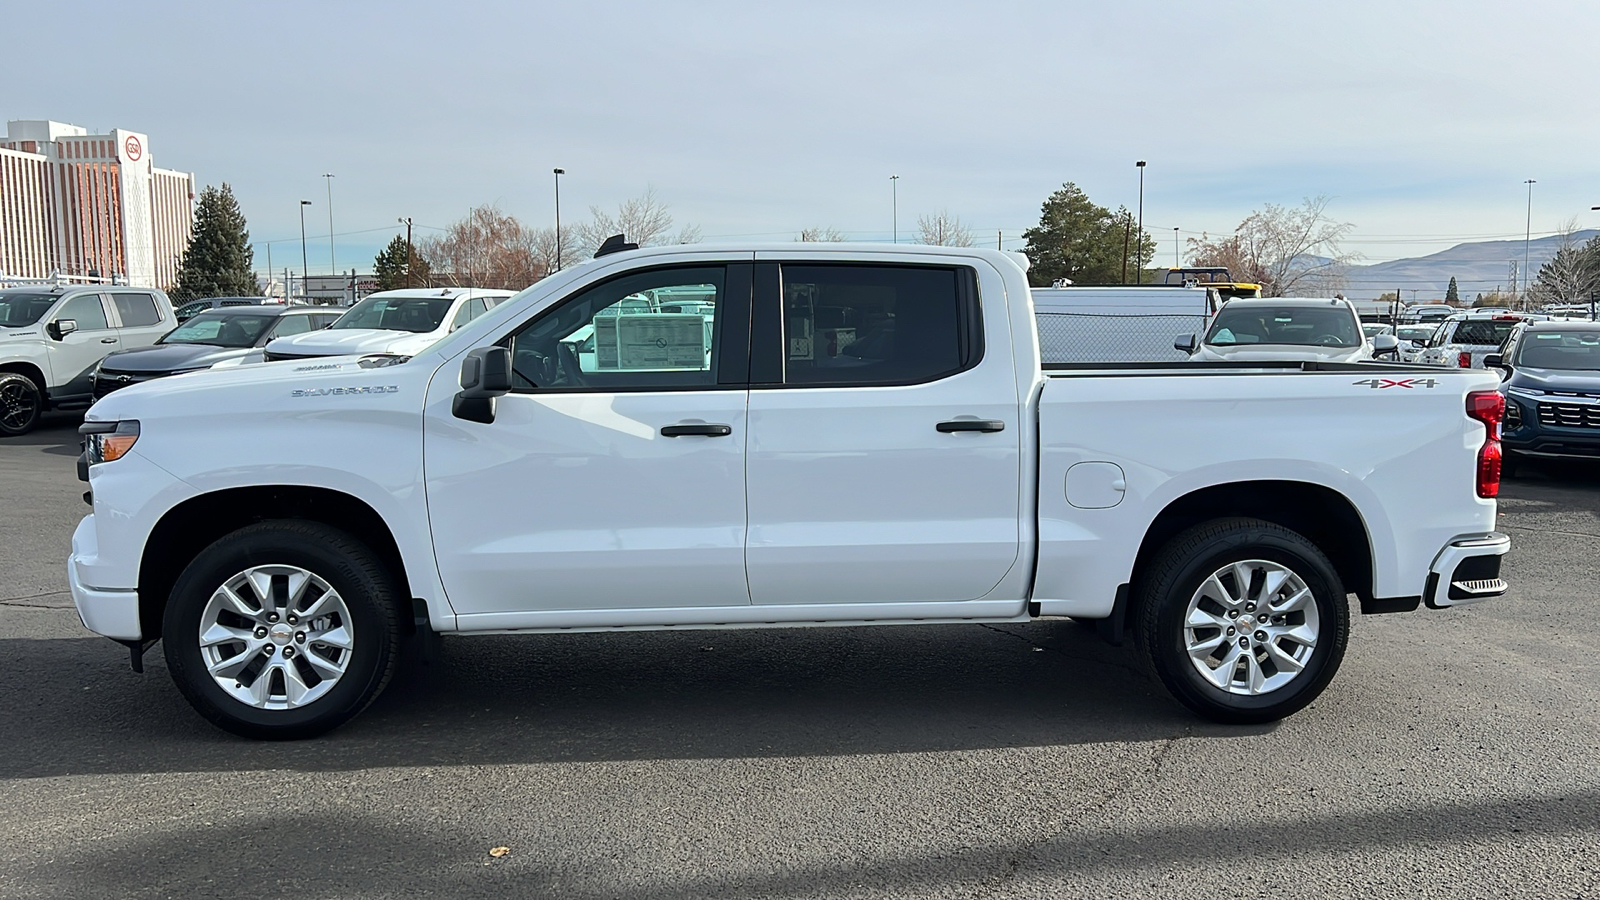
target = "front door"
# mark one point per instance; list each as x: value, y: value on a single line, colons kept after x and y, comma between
x: 612, y: 477
x: 884, y: 462
x: 74, y: 356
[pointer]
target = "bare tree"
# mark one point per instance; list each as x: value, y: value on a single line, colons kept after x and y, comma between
x: 1572, y: 274
x: 1289, y: 252
x: 644, y: 220
x: 820, y: 235
x: 943, y: 230
x: 488, y: 249
x: 544, y: 248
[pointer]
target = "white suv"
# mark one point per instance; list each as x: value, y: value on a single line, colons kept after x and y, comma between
x: 51, y: 339
x: 1284, y: 328
x: 404, y: 322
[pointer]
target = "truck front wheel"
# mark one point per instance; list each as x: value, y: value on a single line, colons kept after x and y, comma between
x: 282, y: 630
x: 21, y: 404
x: 1244, y: 621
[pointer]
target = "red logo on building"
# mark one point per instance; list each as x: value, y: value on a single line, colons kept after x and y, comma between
x: 134, y: 149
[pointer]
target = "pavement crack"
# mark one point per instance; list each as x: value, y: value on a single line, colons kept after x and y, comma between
x: 1549, y: 531
x: 36, y: 596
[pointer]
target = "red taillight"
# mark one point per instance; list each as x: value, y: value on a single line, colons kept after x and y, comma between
x: 1488, y: 407
x: 1464, y: 360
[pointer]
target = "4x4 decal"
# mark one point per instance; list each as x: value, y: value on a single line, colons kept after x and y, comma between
x: 1381, y: 383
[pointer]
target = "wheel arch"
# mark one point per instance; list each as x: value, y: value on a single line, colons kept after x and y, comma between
x: 29, y: 371
x: 191, y: 526
x: 1321, y: 514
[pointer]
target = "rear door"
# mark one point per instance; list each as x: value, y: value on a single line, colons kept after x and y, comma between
x: 884, y: 459
x: 139, y: 319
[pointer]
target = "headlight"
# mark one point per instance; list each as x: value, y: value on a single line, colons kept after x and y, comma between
x: 108, y: 441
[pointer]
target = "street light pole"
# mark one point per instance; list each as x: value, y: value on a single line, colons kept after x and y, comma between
x: 1527, y: 238
x: 894, y: 208
x: 332, y: 266
x: 1138, y: 249
x: 304, y: 268
x: 558, y: 173
x: 1175, y: 263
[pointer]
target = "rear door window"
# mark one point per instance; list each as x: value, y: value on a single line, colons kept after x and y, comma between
x: 875, y: 324
x: 136, y: 310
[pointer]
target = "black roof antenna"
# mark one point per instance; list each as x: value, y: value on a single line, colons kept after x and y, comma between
x: 614, y: 244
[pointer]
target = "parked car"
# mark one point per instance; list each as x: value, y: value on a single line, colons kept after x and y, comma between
x: 1119, y: 324
x: 52, y: 338
x: 1464, y: 339
x: 403, y: 322
x: 1286, y: 328
x: 280, y: 528
x: 195, y: 307
x: 1427, y: 313
x: 214, y: 336
x: 1412, y: 339
x: 1373, y: 329
x: 1552, y: 390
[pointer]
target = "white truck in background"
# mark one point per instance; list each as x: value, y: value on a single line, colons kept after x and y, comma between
x: 873, y: 440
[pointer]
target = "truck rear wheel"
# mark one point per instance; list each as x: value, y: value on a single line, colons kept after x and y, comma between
x: 282, y: 630
x: 21, y: 404
x: 1244, y: 621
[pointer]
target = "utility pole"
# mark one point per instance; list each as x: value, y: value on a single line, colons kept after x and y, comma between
x: 1139, y: 250
x: 269, y: 268
x: 1126, y: 227
x: 1527, y: 236
x: 304, y: 266
x: 1175, y: 263
x: 407, y: 221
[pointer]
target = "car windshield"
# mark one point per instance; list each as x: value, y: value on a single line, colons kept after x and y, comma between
x: 1417, y: 332
x: 1573, y: 350
x: 221, y: 329
x: 1317, y: 326
x: 1375, y: 330
x: 22, y: 308
x: 416, y: 314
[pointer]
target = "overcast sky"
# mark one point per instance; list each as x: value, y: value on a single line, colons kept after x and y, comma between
x: 1420, y: 120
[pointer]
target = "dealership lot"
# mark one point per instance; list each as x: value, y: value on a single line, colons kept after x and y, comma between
x: 1455, y: 754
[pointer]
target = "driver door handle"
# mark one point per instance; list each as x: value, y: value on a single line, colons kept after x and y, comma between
x: 971, y: 425
x: 702, y: 430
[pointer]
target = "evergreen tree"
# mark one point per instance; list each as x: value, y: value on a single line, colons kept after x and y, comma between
x: 217, y: 262
x: 1451, y: 295
x: 1079, y: 240
x: 390, y: 267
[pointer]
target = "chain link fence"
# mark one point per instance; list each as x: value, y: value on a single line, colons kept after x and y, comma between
x: 1107, y: 338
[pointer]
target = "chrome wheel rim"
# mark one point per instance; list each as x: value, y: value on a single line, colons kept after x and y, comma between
x: 276, y: 637
x: 18, y: 403
x: 1251, y: 627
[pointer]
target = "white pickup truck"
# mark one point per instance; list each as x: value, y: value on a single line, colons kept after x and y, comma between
x: 871, y: 440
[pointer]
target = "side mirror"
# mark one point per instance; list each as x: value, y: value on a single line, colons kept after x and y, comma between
x: 1385, y: 343
x: 1188, y: 343
x: 60, y: 328
x: 1498, y: 361
x: 485, y: 375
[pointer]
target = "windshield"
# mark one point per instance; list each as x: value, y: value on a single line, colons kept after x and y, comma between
x: 1574, y: 350
x: 1375, y: 330
x: 18, y: 309
x: 415, y: 314
x: 1317, y: 326
x: 1417, y: 332
x: 221, y: 329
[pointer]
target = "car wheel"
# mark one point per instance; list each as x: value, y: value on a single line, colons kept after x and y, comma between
x: 282, y: 630
x: 21, y: 404
x: 1244, y: 621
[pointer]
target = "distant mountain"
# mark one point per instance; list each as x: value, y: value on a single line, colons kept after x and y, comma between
x: 1478, y: 269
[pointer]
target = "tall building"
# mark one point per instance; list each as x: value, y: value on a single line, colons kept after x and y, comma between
x: 78, y: 204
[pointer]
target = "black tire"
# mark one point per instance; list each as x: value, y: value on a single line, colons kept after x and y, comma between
x: 1177, y: 574
x: 21, y: 404
x: 347, y: 566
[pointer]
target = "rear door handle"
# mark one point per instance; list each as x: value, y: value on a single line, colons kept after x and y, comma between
x: 955, y: 425
x: 108, y: 340
x: 701, y: 430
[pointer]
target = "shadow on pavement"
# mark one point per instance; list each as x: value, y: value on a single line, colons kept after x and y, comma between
x: 74, y: 708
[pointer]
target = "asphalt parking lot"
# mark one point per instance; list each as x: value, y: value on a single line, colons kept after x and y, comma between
x: 1457, y: 754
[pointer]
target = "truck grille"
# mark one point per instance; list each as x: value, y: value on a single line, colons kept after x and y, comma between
x: 1569, y: 415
